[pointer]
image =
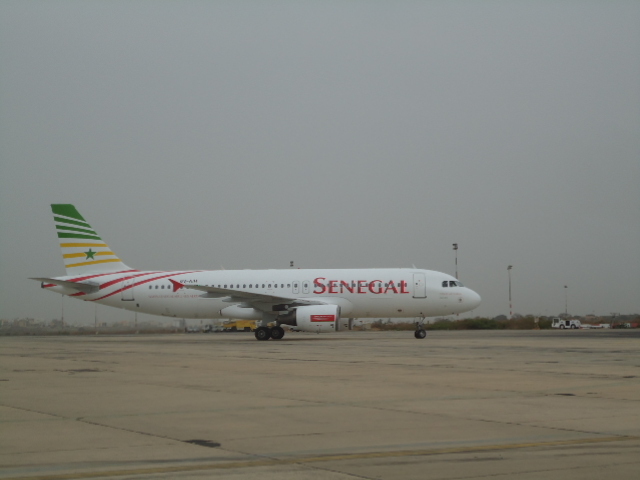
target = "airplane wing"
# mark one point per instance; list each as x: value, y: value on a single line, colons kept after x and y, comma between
x: 257, y: 300
x: 236, y: 295
x: 81, y: 287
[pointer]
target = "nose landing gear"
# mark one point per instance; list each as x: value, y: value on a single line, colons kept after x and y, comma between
x: 420, y: 331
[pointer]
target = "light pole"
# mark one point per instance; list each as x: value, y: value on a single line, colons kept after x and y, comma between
x: 510, y: 307
x: 566, y: 302
x: 455, y: 249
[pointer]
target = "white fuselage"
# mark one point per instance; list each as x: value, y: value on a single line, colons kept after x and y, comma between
x: 364, y: 293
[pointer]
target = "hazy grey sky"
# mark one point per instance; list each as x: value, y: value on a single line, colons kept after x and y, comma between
x: 336, y: 134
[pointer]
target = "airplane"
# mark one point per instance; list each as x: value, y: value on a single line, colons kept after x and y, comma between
x: 311, y: 300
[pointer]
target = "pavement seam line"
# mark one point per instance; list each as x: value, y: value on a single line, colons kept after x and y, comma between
x: 319, y: 459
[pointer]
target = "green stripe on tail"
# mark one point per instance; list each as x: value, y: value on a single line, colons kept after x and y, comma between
x: 89, y: 254
x: 66, y: 210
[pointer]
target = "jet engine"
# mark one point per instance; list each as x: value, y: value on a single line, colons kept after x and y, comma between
x: 314, y: 318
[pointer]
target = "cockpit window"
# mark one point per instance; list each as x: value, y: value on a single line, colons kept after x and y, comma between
x: 445, y: 284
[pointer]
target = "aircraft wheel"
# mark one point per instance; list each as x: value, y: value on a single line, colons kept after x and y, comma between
x: 420, y: 333
x: 277, y: 333
x: 263, y: 333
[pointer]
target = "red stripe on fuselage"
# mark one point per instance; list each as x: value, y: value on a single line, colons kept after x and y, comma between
x: 140, y: 283
x: 79, y: 279
x: 118, y: 280
x: 111, y: 282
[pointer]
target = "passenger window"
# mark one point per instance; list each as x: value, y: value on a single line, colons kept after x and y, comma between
x: 263, y: 285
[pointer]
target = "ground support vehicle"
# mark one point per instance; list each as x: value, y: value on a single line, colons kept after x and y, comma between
x: 562, y: 324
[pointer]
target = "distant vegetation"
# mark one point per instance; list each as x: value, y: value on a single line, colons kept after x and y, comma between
x: 478, y: 323
x: 524, y: 323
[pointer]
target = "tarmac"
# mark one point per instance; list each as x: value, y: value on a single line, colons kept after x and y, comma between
x: 353, y: 405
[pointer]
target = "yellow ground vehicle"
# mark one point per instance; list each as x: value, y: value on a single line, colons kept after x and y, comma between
x: 239, y: 326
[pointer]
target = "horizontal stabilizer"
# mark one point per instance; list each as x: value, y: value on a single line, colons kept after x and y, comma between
x: 81, y: 287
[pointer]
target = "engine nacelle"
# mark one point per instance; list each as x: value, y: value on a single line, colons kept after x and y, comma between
x: 318, y: 318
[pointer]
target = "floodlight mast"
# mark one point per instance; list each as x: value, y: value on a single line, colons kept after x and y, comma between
x: 510, y: 307
x: 455, y: 249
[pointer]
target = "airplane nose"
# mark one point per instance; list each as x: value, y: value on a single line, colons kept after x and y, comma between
x: 473, y: 299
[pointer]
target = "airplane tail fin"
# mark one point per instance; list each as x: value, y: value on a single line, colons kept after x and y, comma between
x: 83, y: 251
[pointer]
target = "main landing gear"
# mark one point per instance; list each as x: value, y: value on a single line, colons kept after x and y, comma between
x: 265, y: 333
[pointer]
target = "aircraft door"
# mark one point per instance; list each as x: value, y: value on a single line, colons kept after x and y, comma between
x: 296, y: 287
x: 419, y: 286
x: 127, y: 290
x: 305, y: 286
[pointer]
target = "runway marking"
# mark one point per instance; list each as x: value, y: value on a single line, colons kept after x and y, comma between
x: 318, y: 459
